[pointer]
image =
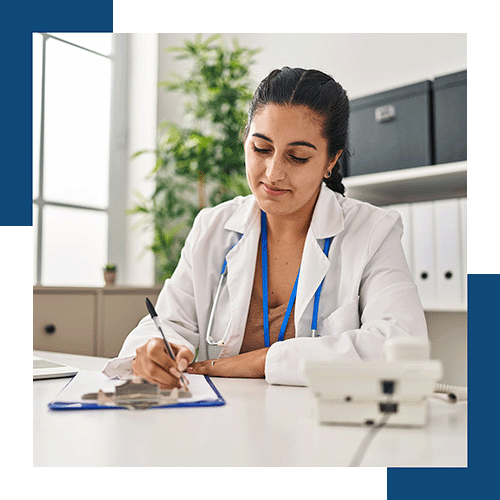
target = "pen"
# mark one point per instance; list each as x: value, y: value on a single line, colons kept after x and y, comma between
x: 154, y: 317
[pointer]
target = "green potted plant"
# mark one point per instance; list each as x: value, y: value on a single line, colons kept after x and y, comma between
x: 109, y: 274
x: 200, y: 162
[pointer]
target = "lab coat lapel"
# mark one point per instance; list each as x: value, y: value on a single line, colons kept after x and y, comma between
x: 240, y: 271
x: 313, y: 269
x: 327, y: 221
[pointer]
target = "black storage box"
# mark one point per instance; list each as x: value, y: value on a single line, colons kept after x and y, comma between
x: 450, y: 108
x: 391, y: 130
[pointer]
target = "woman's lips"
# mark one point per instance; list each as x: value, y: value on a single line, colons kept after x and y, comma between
x: 274, y: 191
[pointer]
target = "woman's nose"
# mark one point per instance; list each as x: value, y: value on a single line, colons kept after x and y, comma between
x: 275, y: 170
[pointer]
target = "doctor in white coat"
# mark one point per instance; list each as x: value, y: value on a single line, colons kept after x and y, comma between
x: 308, y: 273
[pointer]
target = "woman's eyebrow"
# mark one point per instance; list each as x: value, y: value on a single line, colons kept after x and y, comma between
x: 303, y: 143
x: 262, y: 136
x: 295, y: 143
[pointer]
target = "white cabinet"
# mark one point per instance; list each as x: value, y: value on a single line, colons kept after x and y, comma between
x: 414, y: 189
x: 446, y: 320
x: 91, y: 321
x: 65, y: 321
x: 120, y: 311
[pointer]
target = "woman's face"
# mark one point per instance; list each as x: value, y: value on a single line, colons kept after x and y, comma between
x: 286, y: 159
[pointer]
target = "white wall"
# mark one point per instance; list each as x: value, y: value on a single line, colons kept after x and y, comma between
x: 142, y: 126
x: 448, y: 338
x: 363, y: 63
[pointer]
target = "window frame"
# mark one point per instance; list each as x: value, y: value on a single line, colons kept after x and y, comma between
x: 117, y: 163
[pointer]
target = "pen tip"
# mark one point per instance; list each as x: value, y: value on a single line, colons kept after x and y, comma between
x: 150, y: 307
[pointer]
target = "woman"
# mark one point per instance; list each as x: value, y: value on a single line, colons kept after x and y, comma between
x: 310, y: 274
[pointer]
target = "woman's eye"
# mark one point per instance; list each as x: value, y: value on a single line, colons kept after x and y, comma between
x: 298, y: 159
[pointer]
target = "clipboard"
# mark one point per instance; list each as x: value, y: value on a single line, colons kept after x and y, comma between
x: 70, y: 397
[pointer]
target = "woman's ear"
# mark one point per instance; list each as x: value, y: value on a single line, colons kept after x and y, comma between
x: 336, y: 159
x: 331, y: 165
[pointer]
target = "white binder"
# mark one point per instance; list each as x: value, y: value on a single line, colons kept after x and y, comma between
x: 463, y: 241
x: 448, y: 252
x: 424, y: 273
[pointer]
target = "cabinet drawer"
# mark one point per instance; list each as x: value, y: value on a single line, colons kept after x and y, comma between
x: 121, y: 312
x: 64, y: 323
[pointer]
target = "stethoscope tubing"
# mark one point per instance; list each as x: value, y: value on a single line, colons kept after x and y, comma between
x: 314, y: 324
x: 209, y: 339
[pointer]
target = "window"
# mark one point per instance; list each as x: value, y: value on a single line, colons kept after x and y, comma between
x: 73, y: 79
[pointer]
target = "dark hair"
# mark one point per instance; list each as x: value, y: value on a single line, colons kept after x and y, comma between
x: 322, y: 94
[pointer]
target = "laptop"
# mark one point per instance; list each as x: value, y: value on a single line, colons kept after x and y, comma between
x: 43, y: 369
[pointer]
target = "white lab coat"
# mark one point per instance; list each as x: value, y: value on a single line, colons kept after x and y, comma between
x: 368, y: 295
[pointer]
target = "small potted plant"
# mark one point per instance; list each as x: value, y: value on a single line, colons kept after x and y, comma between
x: 110, y: 274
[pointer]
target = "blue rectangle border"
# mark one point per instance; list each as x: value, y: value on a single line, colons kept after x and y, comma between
x: 23, y: 20
x: 483, y: 333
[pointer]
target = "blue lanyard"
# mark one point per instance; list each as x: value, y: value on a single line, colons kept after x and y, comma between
x: 265, y: 288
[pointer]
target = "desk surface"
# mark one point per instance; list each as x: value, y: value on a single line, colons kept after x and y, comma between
x: 260, y: 425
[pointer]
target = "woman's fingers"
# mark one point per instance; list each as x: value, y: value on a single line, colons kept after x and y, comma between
x: 156, y: 351
x: 183, y: 356
x: 154, y: 364
x: 154, y: 374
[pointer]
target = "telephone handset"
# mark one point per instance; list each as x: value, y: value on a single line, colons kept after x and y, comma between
x: 413, y: 350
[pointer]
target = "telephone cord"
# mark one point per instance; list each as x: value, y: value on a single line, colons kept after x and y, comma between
x: 455, y: 393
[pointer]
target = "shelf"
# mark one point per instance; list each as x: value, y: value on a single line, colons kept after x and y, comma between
x: 428, y: 308
x: 410, y: 185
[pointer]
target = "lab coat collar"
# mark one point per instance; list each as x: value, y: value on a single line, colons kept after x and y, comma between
x: 244, y: 215
x: 327, y: 221
x: 328, y: 218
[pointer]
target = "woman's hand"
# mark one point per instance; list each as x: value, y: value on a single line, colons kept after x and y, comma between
x: 154, y: 364
x: 247, y: 365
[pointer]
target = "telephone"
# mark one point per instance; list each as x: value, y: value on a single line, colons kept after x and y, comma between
x: 396, y: 388
x: 411, y: 349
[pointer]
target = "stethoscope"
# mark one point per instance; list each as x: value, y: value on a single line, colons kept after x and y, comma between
x: 265, y: 300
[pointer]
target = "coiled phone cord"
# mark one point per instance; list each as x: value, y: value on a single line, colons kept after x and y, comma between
x: 455, y: 393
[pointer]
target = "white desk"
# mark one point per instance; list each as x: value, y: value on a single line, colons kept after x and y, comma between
x: 260, y: 425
